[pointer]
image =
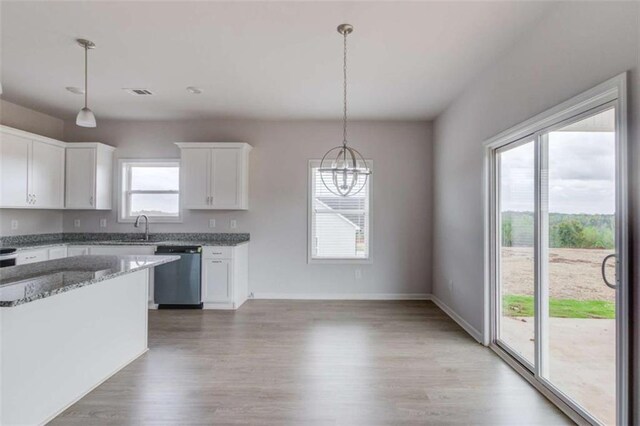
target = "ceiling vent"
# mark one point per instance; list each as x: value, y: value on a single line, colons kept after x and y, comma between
x: 138, y: 92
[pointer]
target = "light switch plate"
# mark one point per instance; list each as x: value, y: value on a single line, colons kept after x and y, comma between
x: 76, y: 223
x: 212, y: 223
x: 14, y: 224
x: 233, y: 224
x: 358, y: 274
x: 103, y: 223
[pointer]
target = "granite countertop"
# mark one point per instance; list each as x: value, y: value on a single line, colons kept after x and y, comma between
x: 29, y: 242
x: 26, y: 283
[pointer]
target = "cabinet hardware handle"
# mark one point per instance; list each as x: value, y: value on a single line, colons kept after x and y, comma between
x: 216, y: 261
x: 215, y: 252
x: 91, y: 200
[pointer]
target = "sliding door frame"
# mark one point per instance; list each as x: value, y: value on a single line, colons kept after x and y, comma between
x: 611, y: 93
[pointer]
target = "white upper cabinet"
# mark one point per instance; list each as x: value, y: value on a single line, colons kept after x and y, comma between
x: 215, y: 175
x: 47, y: 175
x: 31, y: 170
x: 195, y: 166
x: 89, y: 176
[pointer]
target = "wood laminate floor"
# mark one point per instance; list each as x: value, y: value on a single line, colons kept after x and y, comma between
x: 313, y: 363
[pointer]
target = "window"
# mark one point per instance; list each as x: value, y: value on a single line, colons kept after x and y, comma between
x: 150, y: 187
x: 338, y: 226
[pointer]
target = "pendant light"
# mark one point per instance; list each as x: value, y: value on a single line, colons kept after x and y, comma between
x: 85, y: 117
x: 343, y: 170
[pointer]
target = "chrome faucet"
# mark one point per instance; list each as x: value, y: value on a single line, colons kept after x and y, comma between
x: 146, y: 225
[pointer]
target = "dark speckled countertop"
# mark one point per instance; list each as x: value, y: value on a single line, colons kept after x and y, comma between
x: 28, y: 242
x: 26, y: 283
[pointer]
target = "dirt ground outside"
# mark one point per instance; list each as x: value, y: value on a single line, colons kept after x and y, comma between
x: 573, y: 273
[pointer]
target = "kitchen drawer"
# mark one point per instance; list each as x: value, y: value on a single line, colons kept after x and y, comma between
x: 32, y: 256
x: 217, y: 252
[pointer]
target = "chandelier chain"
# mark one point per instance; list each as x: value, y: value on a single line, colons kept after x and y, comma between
x: 344, y: 72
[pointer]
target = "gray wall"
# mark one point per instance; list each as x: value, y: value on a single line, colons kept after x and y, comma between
x: 30, y: 221
x: 277, y: 216
x: 575, y: 47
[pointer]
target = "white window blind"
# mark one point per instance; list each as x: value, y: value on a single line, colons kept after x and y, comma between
x: 339, y: 226
x: 151, y: 188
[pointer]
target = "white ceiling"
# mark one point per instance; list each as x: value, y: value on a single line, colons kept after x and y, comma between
x: 270, y: 60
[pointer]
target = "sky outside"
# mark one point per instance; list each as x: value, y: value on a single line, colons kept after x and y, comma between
x: 581, y: 174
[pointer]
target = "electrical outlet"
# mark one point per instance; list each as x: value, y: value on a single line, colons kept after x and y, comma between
x: 14, y: 224
x: 103, y: 223
x: 233, y: 224
x: 358, y: 274
x: 251, y: 296
x: 76, y: 223
x: 212, y: 223
x: 450, y: 285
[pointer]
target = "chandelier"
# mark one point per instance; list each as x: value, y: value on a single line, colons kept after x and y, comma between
x: 343, y: 170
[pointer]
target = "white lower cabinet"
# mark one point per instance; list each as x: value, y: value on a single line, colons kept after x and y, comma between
x: 32, y: 256
x: 77, y: 251
x: 225, y: 276
x: 57, y: 252
x: 40, y: 255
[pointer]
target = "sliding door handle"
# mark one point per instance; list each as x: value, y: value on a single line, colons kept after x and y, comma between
x: 604, y: 272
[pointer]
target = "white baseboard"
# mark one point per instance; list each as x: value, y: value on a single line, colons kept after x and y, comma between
x: 343, y: 296
x: 457, y: 318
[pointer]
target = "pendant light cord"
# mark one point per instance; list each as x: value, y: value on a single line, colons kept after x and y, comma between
x: 86, y: 75
x: 344, y: 72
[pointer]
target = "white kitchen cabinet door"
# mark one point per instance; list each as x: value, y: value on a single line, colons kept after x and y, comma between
x: 47, y: 175
x: 57, y: 252
x: 14, y: 170
x: 89, y: 176
x: 32, y: 256
x: 195, y: 167
x: 77, y: 251
x: 225, y: 178
x: 80, y: 178
x: 216, y: 278
x: 215, y: 175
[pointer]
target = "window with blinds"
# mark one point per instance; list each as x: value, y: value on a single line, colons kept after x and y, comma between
x: 150, y: 187
x: 338, y: 226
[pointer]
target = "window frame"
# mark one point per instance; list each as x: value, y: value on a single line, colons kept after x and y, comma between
x: 124, y: 167
x: 368, y: 259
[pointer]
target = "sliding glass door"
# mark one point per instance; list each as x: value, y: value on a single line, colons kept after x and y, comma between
x: 558, y: 242
x: 578, y: 241
x: 515, y: 205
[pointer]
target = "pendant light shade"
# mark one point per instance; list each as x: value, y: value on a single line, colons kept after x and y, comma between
x: 343, y: 170
x: 85, y: 117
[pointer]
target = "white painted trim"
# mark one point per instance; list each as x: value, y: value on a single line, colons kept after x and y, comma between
x: 243, y: 145
x: 97, y: 145
x: 369, y: 239
x: 107, y: 377
x: 605, y: 92
x: 343, y: 296
x: 31, y: 136
x: 473, y: 332
x: 120, y: 205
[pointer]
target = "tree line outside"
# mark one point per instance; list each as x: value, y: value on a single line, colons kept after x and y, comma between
x: 588, y: 231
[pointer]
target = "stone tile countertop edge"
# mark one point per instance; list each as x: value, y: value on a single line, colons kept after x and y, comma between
x: 114, y: 239
x: 31, y: 271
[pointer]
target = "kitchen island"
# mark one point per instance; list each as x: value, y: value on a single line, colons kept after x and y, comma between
x: 66, y: 326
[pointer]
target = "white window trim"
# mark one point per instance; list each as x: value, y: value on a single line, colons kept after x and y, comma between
x: 343, y: 261
x: 121, y: 189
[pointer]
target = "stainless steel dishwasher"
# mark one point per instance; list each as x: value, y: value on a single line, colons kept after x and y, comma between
x: 177, y: 284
